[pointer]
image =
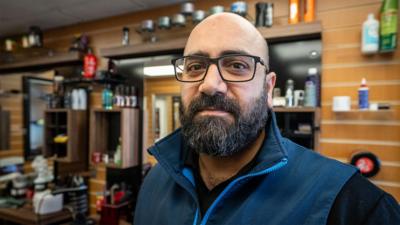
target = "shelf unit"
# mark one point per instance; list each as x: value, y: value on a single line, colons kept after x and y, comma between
x: 108, y: 126
x: 289, y: 119
x: 43, y: 61
x: 72, y: 123
x: 278, y: 32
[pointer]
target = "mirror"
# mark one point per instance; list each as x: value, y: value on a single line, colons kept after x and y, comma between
x: 165, y: 114
x: 35, y: 92
x: 4, y: 129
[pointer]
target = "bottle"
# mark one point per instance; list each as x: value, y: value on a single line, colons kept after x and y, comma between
x: 294, y: 11
x: 312, y: 88
x: 89, y: 64
x: 289, y: 93
x: 127, y: 97
x: 363, y: 95
x: 370, y: 36
x: 82, y: 99
x: 388, y: 31
x: 75, y: 99
x: 125, y: 36
x: 133, y: 97
x: 309, y: 10
x: 117, y: 97
x: 117, y: 154
x: 107, y: 97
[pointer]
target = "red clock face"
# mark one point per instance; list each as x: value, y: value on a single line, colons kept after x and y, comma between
x: 365, y: 165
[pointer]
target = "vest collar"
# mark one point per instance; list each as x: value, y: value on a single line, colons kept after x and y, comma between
x: 169, y: 150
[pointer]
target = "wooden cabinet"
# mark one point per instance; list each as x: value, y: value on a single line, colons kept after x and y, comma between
x: 71, y: 124
x: 110, y: 128
x: 300, y: 124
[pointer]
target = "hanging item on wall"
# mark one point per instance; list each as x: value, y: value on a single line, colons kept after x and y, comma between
x: 216, y: 9
x: 309, y: 10
x: 147, y: 31
x: 89, y: 64
x: 370, y: 35
x: 239, y: 7
x: 164, y: 22
x: 178, y: 20
x: 125, y: 36
x: 367, y: 162
x: 294, y: 11
x: 198, y: 16
x: 264, y: 14
x: 389, y: 24
x: 187, y: 8
x: 35, y: 37
x: 80, y: 43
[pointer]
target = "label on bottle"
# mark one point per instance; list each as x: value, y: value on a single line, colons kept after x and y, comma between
x: 371, y: 35
x: 363, y: 102
x: 389, y: 22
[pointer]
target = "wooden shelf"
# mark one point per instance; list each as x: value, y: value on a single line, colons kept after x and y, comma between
x: 145, y: 49
x: 107, y: 126
x: 295, y: 109
x: 366, y: 111
x: 176, y: 45
x: 73, y: 123
x: 291, y: 30
x: 42, y: 61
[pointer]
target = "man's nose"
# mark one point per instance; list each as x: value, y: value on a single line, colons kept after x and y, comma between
x: 213, y: 82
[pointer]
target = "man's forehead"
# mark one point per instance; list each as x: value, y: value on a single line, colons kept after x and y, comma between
x: 221, y: 52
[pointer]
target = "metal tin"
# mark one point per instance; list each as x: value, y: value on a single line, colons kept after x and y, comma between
x: 187, y: 8
x: 125, y: 36
x: 147, y: 26
x: 198, y: 16
x: 216, y: 9
x: 9, y: 45
x: 264, y: 14
x: 178, y: 20
x: 239, y: 7
x: 164, y: 22
x: 269, y: 17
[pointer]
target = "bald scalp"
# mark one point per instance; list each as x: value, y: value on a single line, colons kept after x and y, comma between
x: 232, y: 25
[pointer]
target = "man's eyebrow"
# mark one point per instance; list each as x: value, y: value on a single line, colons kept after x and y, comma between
x: 199, y: 53
x: 232, y: 52
x: 226, y: 52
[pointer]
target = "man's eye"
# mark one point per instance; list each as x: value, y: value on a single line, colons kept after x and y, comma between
x: 237, y: 65
x: 194, y: 67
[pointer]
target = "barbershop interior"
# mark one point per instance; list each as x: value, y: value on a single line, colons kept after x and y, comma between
x: 88, y: 86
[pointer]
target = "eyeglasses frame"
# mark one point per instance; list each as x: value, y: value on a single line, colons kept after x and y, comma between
x: 215, y: 61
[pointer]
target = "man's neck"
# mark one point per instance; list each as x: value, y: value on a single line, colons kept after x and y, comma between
x: 215, y: 170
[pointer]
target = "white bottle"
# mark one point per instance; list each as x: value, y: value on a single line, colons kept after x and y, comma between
x: 370, y: 35
x: 75, y: 99
x: 82, y: 99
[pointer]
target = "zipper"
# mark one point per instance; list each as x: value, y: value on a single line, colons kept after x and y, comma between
x: 273, y: 168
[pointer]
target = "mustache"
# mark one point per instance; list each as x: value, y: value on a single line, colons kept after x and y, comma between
x: 216, y: 102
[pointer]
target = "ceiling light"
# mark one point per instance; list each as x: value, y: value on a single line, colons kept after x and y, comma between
x: 167, y: 70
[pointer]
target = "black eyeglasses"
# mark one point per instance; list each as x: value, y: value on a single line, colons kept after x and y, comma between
x: 232, y: 68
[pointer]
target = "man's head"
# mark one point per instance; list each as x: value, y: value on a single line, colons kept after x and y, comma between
x: 220, y: 117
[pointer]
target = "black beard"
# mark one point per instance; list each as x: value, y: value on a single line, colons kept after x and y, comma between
x: 218, y: 136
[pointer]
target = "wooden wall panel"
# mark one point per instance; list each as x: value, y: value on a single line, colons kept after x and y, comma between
x: 345, y: 150
x: 377, y: 132
x: 382, y: 115
x: 387, y: 92
x: 342, y: 69
x: 380, y: 72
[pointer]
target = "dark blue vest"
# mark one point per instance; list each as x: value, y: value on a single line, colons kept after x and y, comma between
x: 290, y: 185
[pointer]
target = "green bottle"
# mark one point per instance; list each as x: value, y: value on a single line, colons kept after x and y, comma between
x: 388, y: 28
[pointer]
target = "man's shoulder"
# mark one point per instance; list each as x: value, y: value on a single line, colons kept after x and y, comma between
x: 361, y: 202
x: 311, y: 157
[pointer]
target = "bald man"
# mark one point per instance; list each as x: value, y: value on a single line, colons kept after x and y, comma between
x: 228, y: 164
